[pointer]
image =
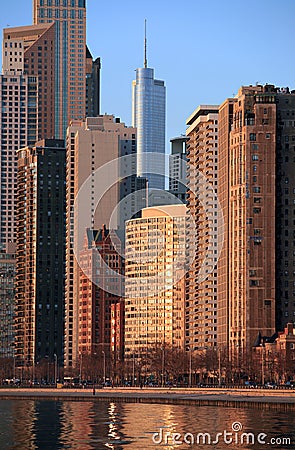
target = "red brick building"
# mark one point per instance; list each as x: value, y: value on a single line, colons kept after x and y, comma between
x: 99, y: 291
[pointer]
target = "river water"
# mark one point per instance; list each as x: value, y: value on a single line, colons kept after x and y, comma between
x: 44, y: 424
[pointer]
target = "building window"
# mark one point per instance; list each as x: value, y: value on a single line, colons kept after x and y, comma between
x: 255, y: 158
x: 252, y: 136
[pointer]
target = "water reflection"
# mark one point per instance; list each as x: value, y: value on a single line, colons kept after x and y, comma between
x: 26, y: 425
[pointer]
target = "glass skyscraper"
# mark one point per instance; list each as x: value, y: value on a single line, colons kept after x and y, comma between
x: 70, y: 53
x: 149, y: 117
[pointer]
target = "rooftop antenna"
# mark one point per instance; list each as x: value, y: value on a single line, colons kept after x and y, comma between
x: 145, y: 58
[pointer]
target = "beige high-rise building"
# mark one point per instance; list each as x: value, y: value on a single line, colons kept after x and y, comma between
x: 90, y: 145
x: 69, y: 17
x: 201, y: 284
x: 154, y: 287
x: 30, y: 50
x: 27, y: 108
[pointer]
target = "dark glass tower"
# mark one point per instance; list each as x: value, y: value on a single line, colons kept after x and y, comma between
x: 40, y: 256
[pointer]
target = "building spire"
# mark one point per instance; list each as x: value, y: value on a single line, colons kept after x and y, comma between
x: 145, y: 57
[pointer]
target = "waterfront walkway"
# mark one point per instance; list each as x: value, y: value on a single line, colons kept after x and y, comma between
x: 252, y: 398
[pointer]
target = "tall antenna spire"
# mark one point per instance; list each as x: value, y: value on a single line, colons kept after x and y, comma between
x: 145, y: 58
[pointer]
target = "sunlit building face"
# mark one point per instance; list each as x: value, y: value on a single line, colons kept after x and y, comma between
x: 155, y: 258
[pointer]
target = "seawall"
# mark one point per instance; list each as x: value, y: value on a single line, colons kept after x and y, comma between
x: 235, y: 398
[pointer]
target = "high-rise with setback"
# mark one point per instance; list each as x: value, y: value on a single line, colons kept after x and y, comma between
x: 149, y: 117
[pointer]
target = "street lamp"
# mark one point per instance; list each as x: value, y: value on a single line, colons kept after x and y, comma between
x: 133, y: 370
x: 262, y: 364
x: 104, y: 366
x: 190, y: 368
x: 219, y: 367
x: 80, y: 371
x: 103, y: 345
x: 14, y: 368
x: 55, y: 369
x: 163, y: 364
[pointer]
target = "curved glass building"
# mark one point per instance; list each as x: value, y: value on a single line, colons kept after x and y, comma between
x: 149, y: 117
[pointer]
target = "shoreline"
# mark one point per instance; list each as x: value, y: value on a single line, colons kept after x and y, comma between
x: 235, y: 398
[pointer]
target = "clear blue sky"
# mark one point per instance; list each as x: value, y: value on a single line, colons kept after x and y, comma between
x: 203, y: 50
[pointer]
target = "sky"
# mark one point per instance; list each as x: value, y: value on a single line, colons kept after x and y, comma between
x: 203, y: 50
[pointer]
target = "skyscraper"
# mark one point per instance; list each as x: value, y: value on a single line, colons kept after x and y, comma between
x: 27, y: 105
x: 201, y: 286
x: 155, y: 289
x: 30, y: 50
x: 149, y: 117
x: 18, y: 127
x: 7, y: 274
x: 97, y: 291
x: 256, y: 191
x: 92, y: 85
x: 90, y: 145
x: 70, y: 57
x: 178, y: 168
x: 40, y: 256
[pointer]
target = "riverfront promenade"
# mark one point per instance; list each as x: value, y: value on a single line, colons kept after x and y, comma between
x: 251, y: 398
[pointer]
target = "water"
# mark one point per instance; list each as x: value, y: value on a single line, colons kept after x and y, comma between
x: 26, y: 425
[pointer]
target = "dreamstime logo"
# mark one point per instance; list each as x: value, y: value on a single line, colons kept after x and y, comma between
x: 96, y: 204
x: 234, y: 437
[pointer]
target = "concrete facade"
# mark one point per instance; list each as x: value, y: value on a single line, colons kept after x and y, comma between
x: 90, y: 145
x: 201, y: 281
